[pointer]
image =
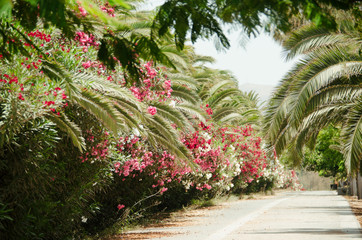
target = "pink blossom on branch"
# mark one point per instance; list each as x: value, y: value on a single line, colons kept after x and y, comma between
x: 152, y: 110
x: 87, y: 64
x: 120, y: 206
x: 82, y: 11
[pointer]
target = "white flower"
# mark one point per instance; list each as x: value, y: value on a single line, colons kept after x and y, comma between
x: 136, y: 132
x: 84, y: 219
x: 206, y: 135
x: 172, y: 103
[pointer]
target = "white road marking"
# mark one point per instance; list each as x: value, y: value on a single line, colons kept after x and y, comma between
x: 221, y: 234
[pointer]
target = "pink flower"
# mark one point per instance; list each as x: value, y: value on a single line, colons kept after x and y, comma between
x: 82, y: 11
x: 152, y: 110
x: 20, y: 96
x: 120, y: 206
x: 167, y: 84
x: 86, y: 64
x: 163, y: 190
x: 117, y: 164
x: 209, y: 111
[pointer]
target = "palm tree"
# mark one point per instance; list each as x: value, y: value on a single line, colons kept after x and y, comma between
x: 218, y: 89
x: 229, y: 104
x: 324, y: 87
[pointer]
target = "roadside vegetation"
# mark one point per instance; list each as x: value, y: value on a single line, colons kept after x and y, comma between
x: 107, y: 115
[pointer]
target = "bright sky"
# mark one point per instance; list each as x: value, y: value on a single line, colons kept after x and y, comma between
x: 260, y: 61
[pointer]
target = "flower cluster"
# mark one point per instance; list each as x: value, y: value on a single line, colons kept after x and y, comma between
x: 283, y: 178
x: 85, y: 40
x: 155, y: 85
x: 139, y: 159
x: 97, y: 150
x: 40, y: 35
x: 36, y: 95
x: 54, y: 98
x: 11, y: 83
x: 208, y: 110
x: 219, y: 155
x: 227, y: 154
x: 152, y: 110
x: 82, y: 11
x: 108, y: 9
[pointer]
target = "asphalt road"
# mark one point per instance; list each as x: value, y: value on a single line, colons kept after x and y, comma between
x: 321, y: 215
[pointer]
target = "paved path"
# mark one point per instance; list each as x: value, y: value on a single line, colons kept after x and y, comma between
x: 321, y: 215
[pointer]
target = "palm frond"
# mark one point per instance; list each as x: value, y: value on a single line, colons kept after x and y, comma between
x: 182, y: 79
x: 222, y: 113
x: 73, y: 131
x: 100, y: 107
x: 309, y: 38
x: 215, y: 99
x: 352, y: 133
x: 183, y: 93
x: 172, y: 114
x: 203, y: 59
x: 57, y: 72
x: 216, y: 87
x: 129, y: 121
x: 334, y: 94
x: 191, y: 111
x: 276, y: 116
x: 161, y: 127
x: 175, y: 56
x: 314, y: 122
x: 323, y: 79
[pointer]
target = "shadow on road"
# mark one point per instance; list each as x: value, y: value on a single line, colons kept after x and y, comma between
x: 351, y: 233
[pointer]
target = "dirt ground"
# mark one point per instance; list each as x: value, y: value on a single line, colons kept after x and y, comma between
x: 356, y: 206
x: 180, y: 218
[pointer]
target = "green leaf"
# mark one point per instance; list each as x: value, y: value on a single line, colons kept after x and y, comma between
x: 70, y: 128
x: 5, y: 8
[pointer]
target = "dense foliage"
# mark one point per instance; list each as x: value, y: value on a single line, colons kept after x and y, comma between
x: 201, y: 18
x: 323, y: 158
x: 323, y: 88
x: 96, y: 129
